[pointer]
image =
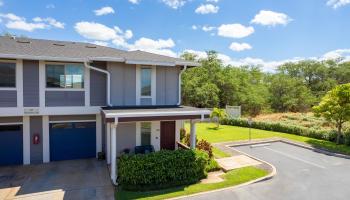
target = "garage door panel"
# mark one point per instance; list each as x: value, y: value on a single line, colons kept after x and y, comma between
x: 11, y: 145
x: 70, y: 141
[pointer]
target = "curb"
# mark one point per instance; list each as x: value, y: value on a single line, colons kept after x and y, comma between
x: 264, y: 178
x: 286, y: 141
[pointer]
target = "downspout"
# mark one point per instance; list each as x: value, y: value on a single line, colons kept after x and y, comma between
x: 182, y: 71
x: 108, y: 81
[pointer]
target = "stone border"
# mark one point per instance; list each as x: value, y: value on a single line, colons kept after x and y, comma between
x: 264, y: 178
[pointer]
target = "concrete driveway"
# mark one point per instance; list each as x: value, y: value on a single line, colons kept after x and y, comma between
x: 76, y: 179
x: 301, y: 174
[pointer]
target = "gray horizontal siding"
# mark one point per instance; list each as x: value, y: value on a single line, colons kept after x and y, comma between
x: 98, y: 82
x: 30, y: 83
x: 8, y: 98
x: 64, y: 98
x: 167, y: 85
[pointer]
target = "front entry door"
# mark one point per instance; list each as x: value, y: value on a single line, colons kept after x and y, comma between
x: 167, y: 135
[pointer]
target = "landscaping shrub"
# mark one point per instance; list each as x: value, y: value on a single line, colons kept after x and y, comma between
x: 182, y: 134
x: 187, y: 140
x: 161, y: 169
x: 296, y: 130
x: 212, y: 166
x: 205, y: 146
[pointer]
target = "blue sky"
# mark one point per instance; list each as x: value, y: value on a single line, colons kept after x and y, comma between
x: 266, y: 32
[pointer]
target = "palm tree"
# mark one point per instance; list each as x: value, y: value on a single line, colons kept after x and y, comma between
x: 218, y: 114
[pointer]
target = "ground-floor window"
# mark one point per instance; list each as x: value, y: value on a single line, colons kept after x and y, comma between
x: 146, y: 133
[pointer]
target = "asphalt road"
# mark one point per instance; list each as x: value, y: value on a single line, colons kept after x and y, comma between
x: 301, y: 174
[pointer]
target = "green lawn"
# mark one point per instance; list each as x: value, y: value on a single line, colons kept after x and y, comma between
x: 232, y: 178
x: 227, y: 133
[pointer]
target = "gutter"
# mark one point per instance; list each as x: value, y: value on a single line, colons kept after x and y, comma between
x: 180, y: 74
x: 108, y: 80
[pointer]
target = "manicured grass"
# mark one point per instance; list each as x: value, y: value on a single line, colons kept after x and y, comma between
x: 225, y: 133
x: 219, y: 154
x: 232, y: 178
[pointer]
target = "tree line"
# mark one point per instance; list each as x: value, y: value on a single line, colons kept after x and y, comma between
x: 294, y: 86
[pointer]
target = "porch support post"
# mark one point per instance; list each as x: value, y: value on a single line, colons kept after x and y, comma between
x: 108, y: 143
x: 114, y: 152
x: 193, y: 134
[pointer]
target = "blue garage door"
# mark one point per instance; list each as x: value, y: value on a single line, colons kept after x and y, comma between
x: 70, y: 141
x: 11, y: 145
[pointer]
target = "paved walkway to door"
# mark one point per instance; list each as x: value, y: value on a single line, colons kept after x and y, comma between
x: 75, y: 179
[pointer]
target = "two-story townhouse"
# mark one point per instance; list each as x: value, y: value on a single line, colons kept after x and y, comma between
x: 71, y: 100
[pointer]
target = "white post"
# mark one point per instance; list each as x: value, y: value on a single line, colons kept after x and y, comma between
x: 114, y: 153
x: 193, y: 134
x: 46, y: 139
x: 98, y: 134
x: 26, y: 140
x: 108, y: 143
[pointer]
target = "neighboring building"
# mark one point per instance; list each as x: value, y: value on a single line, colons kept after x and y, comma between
x: 70, y: 100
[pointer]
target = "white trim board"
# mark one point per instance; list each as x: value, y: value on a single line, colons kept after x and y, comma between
x: 71, y: 121
x: 26, y: 140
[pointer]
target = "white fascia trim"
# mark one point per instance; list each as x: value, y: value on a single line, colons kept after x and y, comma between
x: 108, y: 59
x: 48, y: 58
x: 144, y: 62
x: 71, y: 121
x: 98, y: 134
x: 71, y: 110
x: 42, y: 84
x: 11, y: 123
x: 159, y: 113
x: 192, y: 64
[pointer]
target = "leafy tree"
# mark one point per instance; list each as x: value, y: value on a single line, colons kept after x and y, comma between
x: 289, y: 94
x: 218, y: 114
x: 335, y: 107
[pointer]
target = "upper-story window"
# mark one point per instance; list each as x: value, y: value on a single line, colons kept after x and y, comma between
x: 65, y: 76
x: 7, y: 75
x: 146, y: 82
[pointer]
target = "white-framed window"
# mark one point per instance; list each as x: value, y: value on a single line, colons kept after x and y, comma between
x: 146, y: 85
x: 69, y: 76
x: 146, y: 82
x: 7, y: 75
x: 146, y: 133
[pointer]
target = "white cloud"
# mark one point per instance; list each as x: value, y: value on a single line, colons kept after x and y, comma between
x: 194, y: 27
x: 50, y: 6
x: 51, y: 21
x: 104, y: 11
x: 95, y: 31
x: 337, y: 54
x: 207, y: 9
x: 159, y: 46
x: 235, y: 30
x: 240, y: 46
x: 213, y: 1
x: 20, y: 23
x: 174, y: 4
x: 270, y: 18
x: 337, y: 3
x: 101, y: 43
x: 128, y: 34
x: 206, y: 28
x: 134, y: 1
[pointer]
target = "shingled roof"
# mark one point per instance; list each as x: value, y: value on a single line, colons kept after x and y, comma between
x: 26, y: 48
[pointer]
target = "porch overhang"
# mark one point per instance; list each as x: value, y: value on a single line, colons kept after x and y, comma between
x: 153, y: 113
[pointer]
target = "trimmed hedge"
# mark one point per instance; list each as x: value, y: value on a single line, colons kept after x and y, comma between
x: 161, y: 169
x: 278, y: 127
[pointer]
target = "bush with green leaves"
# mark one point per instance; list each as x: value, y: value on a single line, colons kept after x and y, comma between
x: 205, y: 146
x: 212, y: 165
x: 278, y: 127
x: 161, y: 169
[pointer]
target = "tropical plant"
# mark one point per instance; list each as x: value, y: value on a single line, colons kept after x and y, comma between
x: 218, y: 114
